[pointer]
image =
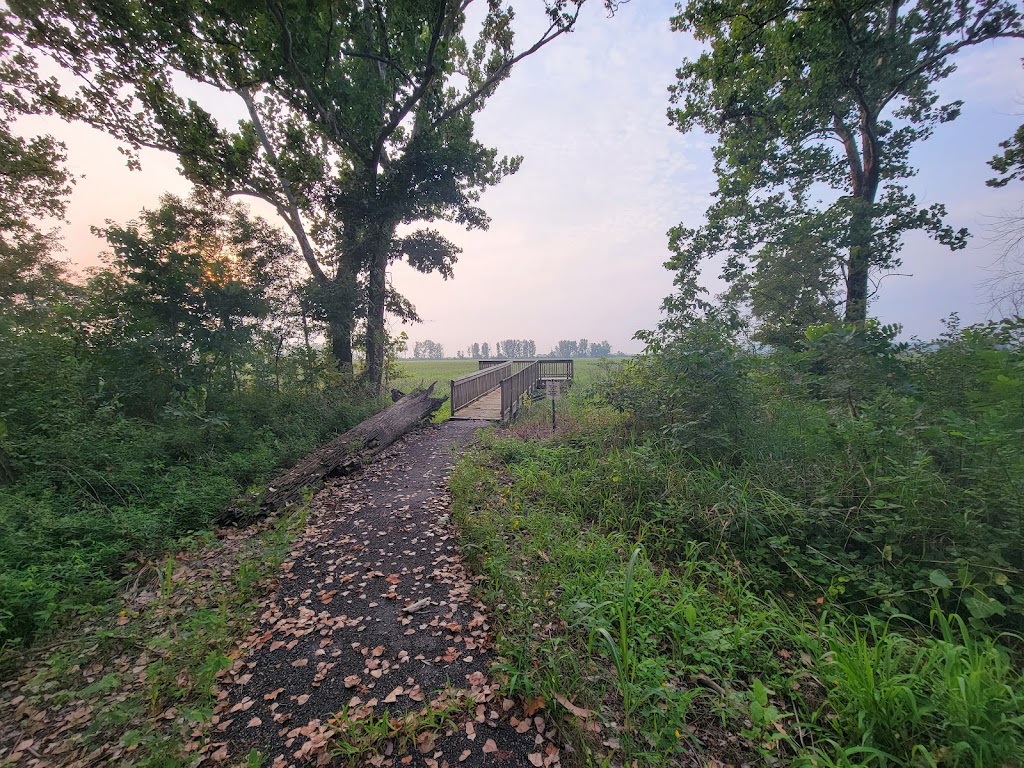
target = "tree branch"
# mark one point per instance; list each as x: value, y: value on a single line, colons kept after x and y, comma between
x: 502, y: 70
x: 294, y: 219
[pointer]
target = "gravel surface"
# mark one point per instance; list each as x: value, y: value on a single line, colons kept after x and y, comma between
x: 374, y: 615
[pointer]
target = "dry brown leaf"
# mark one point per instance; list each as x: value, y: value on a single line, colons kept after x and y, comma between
x: 533, y: 705
x: 490, y: 746
x: 578, y: 711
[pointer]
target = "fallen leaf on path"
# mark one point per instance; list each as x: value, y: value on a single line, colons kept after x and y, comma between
x: 533, y: 705
x: 490, y: 746
x: 418, y: 605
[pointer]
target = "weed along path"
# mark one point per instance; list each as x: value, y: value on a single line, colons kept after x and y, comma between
x: 372, y: 650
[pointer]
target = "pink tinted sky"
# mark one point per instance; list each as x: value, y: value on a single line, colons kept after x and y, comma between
x: 577, y: 239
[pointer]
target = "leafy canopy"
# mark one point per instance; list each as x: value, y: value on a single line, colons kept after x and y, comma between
x: 816, y: 106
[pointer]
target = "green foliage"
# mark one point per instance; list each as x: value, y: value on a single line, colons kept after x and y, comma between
x: 790, y: 287
x: 136, y: 413
x: 186, y: 292
x: 34, y: 184
x: 105, y: 491
x: 694, y: 389
x: 899, y: 697
x: 660, y: 592
x: 851, y: 470
x: 816, y: 107
x: 1010, y: 164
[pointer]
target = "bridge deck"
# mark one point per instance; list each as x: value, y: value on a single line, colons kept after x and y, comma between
x: 479, y: 395
x: 487, y: 407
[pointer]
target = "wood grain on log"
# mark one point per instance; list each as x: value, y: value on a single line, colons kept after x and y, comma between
x: 351, y: 450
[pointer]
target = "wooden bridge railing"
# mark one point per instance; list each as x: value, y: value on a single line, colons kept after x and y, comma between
x: 556, y: 369
x: 517, y: 365
x: 466, y: 389
x: 515, y: 386
x: 560, y: 368
x: 515, y: 377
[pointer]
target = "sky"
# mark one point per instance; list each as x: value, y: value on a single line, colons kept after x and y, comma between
x: 578, y: 236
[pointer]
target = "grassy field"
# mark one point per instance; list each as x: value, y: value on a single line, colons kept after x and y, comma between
x: 420, y: 373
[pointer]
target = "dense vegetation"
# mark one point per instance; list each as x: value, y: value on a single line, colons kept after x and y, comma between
x: 138, y: 406
x: 809, y: 555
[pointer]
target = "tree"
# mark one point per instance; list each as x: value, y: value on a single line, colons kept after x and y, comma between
x: 1010, y: 164
x: 184, y: 293
x: 361, y: 117
x: 1006, y: 285
x: 34, y: 183
x: 428, y: 350
x: 813, y: 96
x: 475, y: 350
x: 566, y: 348
x: 790, y: 288
x: 485, y: 350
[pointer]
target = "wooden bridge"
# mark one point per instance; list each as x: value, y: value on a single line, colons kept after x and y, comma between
x: 495, y: 392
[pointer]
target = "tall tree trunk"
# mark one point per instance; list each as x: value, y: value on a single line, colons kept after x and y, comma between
x: 858, y: 265
x: 340, y: 306
x: 341, y: 344
x: 307, y: 373
x: 376, y: 305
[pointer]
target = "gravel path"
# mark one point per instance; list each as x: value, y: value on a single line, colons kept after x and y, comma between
x: 374, y: 615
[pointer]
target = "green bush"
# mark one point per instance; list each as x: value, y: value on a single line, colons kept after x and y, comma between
x: 691, y: 590
x: 97, y: 495
x: 864, y: 472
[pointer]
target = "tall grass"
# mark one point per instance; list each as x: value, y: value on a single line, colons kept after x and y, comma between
x: 678, y: 596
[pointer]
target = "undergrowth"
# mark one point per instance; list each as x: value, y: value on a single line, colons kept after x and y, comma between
x: 138, y: 687
x: 726, y: 603
x: 99, y: 497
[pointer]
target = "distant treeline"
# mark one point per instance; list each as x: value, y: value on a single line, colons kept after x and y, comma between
x: 512, y: 349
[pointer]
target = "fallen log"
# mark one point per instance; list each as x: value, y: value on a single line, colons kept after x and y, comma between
x: 348, y: 452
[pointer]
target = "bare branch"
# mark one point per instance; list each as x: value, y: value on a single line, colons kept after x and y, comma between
x: 293, y: 217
